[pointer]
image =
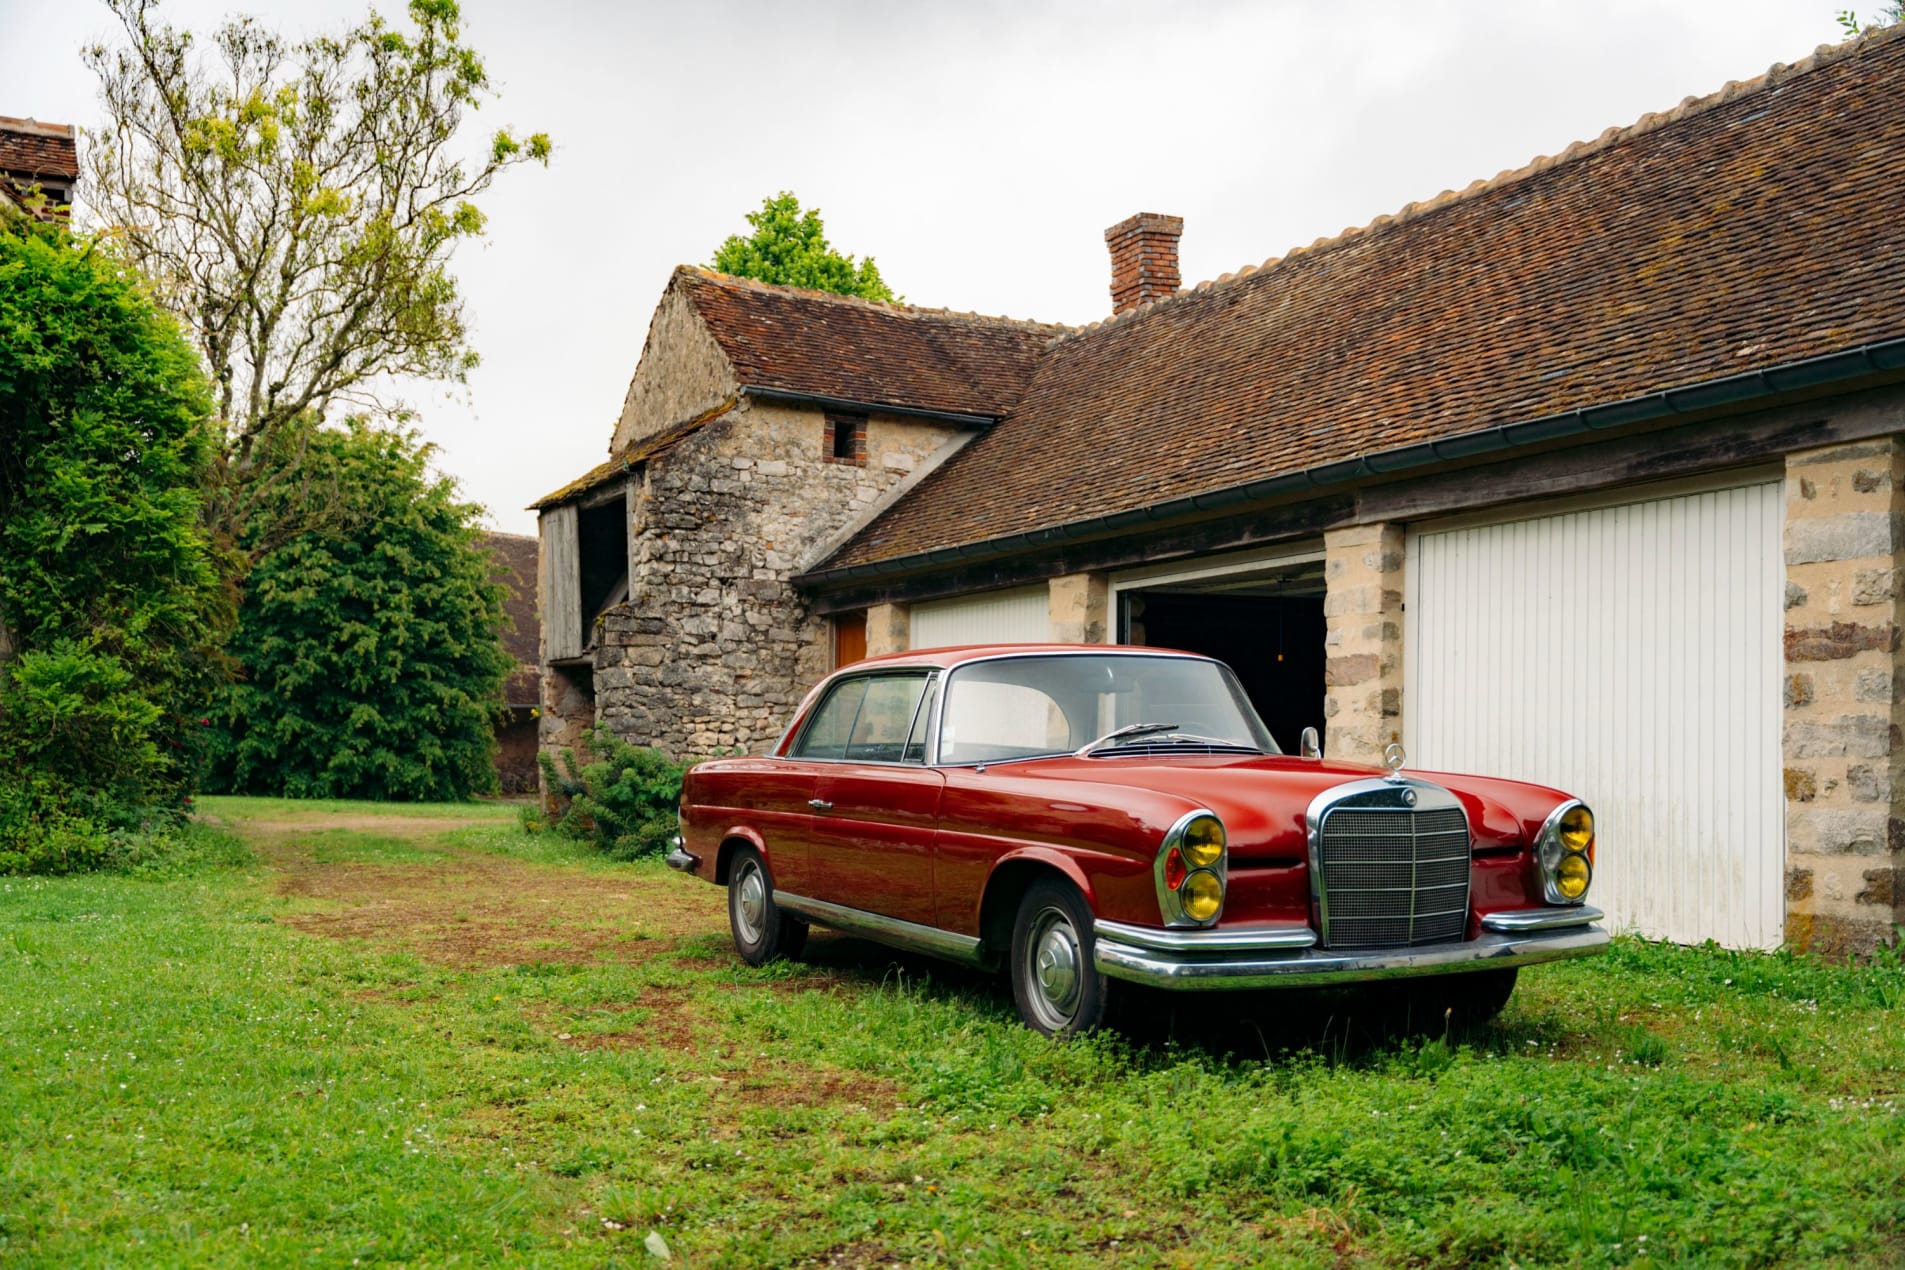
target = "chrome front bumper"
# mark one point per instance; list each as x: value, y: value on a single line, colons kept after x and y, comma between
x: 1278, y: 957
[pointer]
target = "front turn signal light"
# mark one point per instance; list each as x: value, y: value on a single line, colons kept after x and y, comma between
x: 1202, y: 895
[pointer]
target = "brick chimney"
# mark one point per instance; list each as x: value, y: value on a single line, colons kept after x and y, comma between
x: 1143, y: 259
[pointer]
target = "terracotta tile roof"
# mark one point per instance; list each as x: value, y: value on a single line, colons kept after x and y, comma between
x: 619, y: 463
x: 30, y: 148
x: 514, y: 556
x: 823, y: 345
x: 1756, y: 227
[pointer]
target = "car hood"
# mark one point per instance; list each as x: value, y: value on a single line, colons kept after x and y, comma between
x: 1262, y: 800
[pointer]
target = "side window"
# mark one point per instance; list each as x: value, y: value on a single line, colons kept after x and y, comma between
x: 866, y: 718
x: 826, y: 736
x: 886, y: 717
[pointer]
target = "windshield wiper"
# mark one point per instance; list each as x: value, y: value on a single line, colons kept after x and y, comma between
x: 1129, y: 730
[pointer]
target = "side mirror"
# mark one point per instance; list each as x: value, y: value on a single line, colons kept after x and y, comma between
x: 1311, y: 746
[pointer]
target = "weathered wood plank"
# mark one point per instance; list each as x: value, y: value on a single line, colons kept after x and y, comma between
x: 559, y: 586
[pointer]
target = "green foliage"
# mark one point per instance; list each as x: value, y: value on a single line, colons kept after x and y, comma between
x: 298, y: 203
x: 541, y: 1056
x: 112, y: 599
x: 624, y: 800
x: 1853, y: 26
x: 373, y: 664
x: 789, y: 247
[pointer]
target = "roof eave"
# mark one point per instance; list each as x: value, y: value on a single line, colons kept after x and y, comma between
x: 1752, y: 387
x: 766, y: 392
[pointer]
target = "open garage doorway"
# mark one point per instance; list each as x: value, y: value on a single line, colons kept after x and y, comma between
x: 1264, y: 616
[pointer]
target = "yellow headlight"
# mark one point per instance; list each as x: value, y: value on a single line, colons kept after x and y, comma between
x: 1571, y: 876
x: 1204, y: 842
x: 1577, y: 829
x: 1202, y: 895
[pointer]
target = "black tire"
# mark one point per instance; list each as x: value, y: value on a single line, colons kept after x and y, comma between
x: 762, y: 933
x: 1057, y: 988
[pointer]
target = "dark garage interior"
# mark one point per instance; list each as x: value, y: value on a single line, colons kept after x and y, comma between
x: 1273, y: 641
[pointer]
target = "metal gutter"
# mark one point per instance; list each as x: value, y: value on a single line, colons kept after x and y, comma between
x: 866, y: 407
x: 1753, y: 386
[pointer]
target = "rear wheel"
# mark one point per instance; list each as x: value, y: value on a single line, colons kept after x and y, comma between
x: 762, y: 932
x: 1057, y: 988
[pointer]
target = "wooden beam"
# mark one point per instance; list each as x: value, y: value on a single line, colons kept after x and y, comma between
x: 1256, y: 528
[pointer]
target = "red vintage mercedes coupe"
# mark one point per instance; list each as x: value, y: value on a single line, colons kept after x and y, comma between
x: 1089, y: 814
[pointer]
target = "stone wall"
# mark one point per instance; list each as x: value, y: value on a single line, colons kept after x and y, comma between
x: 889, y: 629
x: 1079, y: 607
x: 682, y: 373
x: 1362, y: 703
x: 714, y: 649
x: 1844, y: 759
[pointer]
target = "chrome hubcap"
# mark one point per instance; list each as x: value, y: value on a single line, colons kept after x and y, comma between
x: 751, y: 903
x: 1053, y: 952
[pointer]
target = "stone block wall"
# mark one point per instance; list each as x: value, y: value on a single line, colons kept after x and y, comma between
x: 889, y: 629
x: 713, y: 649
x: 1079, y: 607
x: 1843, y: 757
x: 1362, y: 703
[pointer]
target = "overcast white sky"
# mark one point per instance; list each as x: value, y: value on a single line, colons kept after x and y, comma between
x: 977, y: 150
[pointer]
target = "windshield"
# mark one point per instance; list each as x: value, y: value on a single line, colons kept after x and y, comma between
x: 1029, y: 707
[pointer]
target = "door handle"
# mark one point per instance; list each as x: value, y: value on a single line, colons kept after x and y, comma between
x: 820, y: 804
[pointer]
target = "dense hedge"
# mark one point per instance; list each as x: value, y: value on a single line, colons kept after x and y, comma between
x: 113, y: 599
x: 370, y: 642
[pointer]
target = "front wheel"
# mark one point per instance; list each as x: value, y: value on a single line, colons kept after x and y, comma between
x: 762, y: 932
x: 1057, y: 988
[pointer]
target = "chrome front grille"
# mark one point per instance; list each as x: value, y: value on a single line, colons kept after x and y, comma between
x: 1390, y: 865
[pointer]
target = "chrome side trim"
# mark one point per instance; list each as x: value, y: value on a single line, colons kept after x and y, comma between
x: 1543, y: 918
x: 1322, y: 967
x: 887, y: 930
x: 683, y: 861
x: 1254, y: 939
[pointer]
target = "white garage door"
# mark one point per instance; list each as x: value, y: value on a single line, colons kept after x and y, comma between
x: 1019, y: 616
x: 1630, y: 655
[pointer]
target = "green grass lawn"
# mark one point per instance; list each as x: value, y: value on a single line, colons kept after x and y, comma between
x: 417, y: 1035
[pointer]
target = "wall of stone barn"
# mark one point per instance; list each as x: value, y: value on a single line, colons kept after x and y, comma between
x: 682, y: 373
x: 714, y: 649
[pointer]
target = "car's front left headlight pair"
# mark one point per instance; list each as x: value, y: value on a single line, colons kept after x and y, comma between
x: 1190, y: 870
x: 1565, y: 849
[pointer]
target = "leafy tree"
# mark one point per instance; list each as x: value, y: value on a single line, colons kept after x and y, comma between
x: 298, y: 205
x: 112, y: 600
x: 373, y: 666
x: 789, y: 247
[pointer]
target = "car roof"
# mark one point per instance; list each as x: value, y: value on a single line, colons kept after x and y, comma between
x: 946, y: 658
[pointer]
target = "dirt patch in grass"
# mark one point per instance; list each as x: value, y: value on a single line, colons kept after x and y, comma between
x: 469, y: 909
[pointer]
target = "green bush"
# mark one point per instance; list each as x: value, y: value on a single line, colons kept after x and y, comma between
x: 371, y: 643
x: 114, y: 602
x: 623, y: 801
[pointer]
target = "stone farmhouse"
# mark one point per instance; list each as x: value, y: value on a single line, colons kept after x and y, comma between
x: 1591, y: 474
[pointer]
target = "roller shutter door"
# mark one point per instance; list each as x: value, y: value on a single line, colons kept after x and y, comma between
x: 1019, y: 616
x: 1630, y: 655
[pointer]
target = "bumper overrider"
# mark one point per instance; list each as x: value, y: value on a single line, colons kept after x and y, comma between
x: 1287, y: 956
